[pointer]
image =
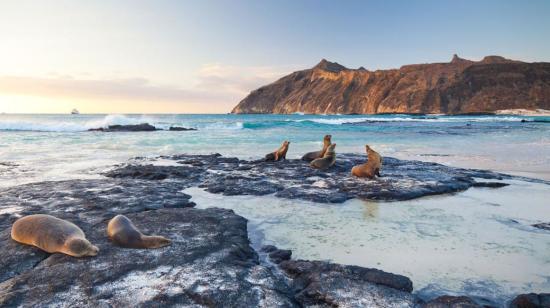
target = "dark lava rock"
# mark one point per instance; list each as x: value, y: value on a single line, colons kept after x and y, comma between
x: 531, y: 300
x: 151, y: 172
x: 447, y: 301
x: 294, y: 179
x: 543, y: 226
x: 143, y: 127
x: 268, y: 248
x: 209, y: 263
x: 490, y: 184
x: 318, y: 283
x: 280, y: 255
x: 180, y: 129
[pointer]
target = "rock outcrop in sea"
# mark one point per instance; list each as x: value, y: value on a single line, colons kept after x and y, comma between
x: 143, y: 127
x: 457, y: 87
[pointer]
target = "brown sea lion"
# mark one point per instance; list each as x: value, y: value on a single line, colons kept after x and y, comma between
x: 279, y: 154
x: 122, y: 232
x: 318, y: 154
x: 327, y: 161
x: 52, y: 235
x: 371, y: 167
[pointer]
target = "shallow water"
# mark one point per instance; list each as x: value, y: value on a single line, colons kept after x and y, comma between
x: 477, y: 242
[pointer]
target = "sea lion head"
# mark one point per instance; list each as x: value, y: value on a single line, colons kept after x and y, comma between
x: 367, y: 148
x: 331, y: 148
x: 158, y: 241
x: 286, y: 143
x: 327, y: 138
x: 80, y: 247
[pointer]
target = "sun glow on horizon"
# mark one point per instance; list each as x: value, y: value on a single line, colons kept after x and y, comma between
x: 17, y: 104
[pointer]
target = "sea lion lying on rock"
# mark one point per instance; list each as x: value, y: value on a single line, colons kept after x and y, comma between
x: 371, y: 167
x: 327, y: 161
x: 52, y: 235
x: 122, y: 232
x: 318, y: 154
x: 279, y: 154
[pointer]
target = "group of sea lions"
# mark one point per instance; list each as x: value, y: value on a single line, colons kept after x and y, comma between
x: 326, y: 157
x: 52, y: 235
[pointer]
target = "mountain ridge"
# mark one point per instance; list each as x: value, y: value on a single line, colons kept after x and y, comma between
x: 456, y: 87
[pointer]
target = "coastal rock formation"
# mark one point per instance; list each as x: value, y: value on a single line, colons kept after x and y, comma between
x: 543, y: 226
x: 143, y: 127
x: 447, y: 301
x: 294, y: 179
x: 180, y: 129
x: 323, y: 284
x: 531, y: 300
x: 460, y: 86
x: 210, y: 262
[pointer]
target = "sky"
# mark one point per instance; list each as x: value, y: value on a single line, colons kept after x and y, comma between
x: 205, y: 56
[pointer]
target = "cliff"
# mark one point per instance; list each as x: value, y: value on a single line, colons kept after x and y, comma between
x: 459, y: 86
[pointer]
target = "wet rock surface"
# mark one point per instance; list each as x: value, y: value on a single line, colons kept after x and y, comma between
x: 210, y: 262
x: 294, y: 179
x: 180, y: 129
x: 318, y: 283
x: 143, y: 127
x: 531, y: 300
x: 447, y: 301
x: 543, y: 226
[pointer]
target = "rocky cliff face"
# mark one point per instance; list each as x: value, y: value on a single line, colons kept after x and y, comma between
x: 460, y: 86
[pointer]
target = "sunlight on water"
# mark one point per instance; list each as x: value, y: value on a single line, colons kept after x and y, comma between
x: 478, y: 242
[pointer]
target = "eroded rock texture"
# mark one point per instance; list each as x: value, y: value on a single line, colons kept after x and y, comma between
x: 295, y: 179
x: 209, y: 264
x: 460, y: 86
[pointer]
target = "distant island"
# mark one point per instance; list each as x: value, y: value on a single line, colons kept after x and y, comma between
x: 457, y: 87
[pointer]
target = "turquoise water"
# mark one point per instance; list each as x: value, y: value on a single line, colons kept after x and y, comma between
x: 58, y: 146
x: 453, y: 244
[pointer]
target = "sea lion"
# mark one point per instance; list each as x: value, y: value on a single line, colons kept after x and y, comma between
x: 122, y: 232
x: 279, y: 154
x: 327, y: 161
x: 318, y: 154
x: 52, y: 235
x: 371, y: 167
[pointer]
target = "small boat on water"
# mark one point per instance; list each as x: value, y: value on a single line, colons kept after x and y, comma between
x: 75, y: 111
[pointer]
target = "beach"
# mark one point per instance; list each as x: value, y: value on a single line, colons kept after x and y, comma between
x: 465, y: 243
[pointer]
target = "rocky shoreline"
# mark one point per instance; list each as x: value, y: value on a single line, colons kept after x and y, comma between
x: 211, y: 262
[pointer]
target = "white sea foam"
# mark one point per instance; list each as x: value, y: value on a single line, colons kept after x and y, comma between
x: 348, y: 120
x: 40, y: 127
x: 224, y: 126
x: 71, y: 125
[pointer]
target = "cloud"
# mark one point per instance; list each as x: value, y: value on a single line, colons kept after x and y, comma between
x: 128, y: 89
x: 238, y: 80
x: 215, y: 84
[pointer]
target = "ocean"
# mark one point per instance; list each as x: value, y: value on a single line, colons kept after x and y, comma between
x: 463, y: 243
